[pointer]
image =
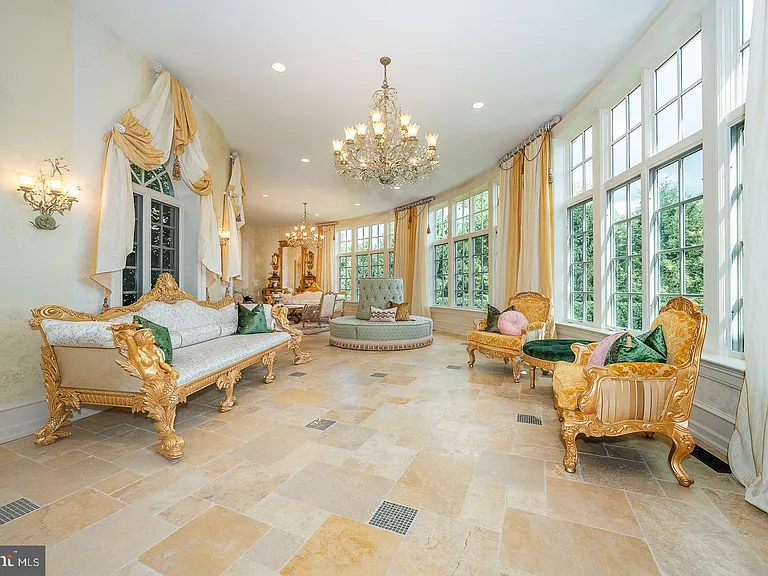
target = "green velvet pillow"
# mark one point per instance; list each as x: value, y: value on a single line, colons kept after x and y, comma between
x: 655, y: 339
x: 161, y: 334
x: 492, y: 320
x: 635, y: 349
x: 252, y: 321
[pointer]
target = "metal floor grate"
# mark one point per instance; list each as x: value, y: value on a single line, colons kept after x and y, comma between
x: 711, y: 460
x: 529, y: 419
x: 321, y: 424
x: 378, y: 374
x: 393, y: 517
x: 297, y: 374
x: 453, y: 367
x: 16, y: 509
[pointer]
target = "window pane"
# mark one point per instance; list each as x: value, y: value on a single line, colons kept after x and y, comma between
x: 462, y: 217
x: 621, y: 311
x: 669, y: 228
x: 636, y: 236
x: 588, y: 216
x: 637, y: 312
x: 746, y: 20
x: 619, y: 120
x: 480, y: 269
x: 589, y: 276
x: 588, y: 175
x: 441, y: 274
x: 391, y: 234
x: 577, y: 218
x: 578, y: 305
x: 441, y: 223
x: 345, y: 274
x: 635, y: 147
x: 666, y: 82
x: 619, y: 154
x: 635, y: 198
x: 694, y: 223
x: 589, y: 306
x: 694, y: 271
x: 588, y: 143
x: 693, y: 175
x: 669, y: 276
x: 634, y: 107
x: 377, y: 265
x: 577, y: 149
x: 636, y: 280
x: 480, y: 210
x: 577, y: 248
x: 667, y: 126
x: 692, y: 111
x: 621, y: 275
x: 363, y: 239
x: 377, y: 237
x: 391, y: 263
x: 461, y: 272
x: 619, y: 202
x: 577, y: 186
x: 691, y: 62
x: 667, y: 185
x: 620, y: 241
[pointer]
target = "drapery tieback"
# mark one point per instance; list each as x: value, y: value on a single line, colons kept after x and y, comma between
x: 158, y: 68
x: 120, y: 128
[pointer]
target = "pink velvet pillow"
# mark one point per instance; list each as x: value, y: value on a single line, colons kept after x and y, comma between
x: 512, y: 323
x: 599, y: 354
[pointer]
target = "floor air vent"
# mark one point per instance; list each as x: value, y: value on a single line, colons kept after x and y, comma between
x: 393, y: 517
x: 16, y: 509
x: 529, y: 419
x: 711, y: 460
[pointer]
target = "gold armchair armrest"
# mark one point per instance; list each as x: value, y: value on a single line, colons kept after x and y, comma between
x: 596, y: 375
x: 480, y: 324
x: 534, y: 331
x: 583, y: 352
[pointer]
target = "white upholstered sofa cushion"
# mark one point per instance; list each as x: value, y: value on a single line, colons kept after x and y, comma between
x: 193, y: 362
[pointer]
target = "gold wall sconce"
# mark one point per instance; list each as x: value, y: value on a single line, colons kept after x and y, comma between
x: 48, y: 193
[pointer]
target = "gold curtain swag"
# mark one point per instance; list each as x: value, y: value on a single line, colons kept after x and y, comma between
x: 184, y: 121
x: 135, y: 141
x: 514, y: 241
x: 546, y: 219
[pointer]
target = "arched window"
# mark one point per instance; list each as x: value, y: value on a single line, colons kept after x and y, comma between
x: 156, y: 235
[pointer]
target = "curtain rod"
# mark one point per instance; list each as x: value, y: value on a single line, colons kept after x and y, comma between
x: 416, y: 203
x: 544, y: 128
x: 327, y: 224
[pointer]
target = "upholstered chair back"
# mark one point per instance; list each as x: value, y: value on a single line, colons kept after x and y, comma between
x: 327, y: 305
x: 378, y: 292
x: 683, y: 328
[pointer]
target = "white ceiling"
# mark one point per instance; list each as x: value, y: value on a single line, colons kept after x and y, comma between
x: 527, y: 60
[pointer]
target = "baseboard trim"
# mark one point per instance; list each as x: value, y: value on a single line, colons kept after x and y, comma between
x: 25, y: 419
x: 710, y: 440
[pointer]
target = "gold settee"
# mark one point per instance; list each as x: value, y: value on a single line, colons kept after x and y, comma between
x: 107, y: 360
x: 539, y: 311
x: 632, y: 397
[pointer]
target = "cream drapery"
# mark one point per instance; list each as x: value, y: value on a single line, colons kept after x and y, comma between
x: 410, y: 262
x: 233, y: 219
x: 419, y: 299
x: 326, y: 261
x: 145, y: 135
x: 526, y: 222
x: 748, y: 449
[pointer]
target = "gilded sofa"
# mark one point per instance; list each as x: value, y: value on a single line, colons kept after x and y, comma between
x: 636, y: 396
x: 539, y: 311
x: 107, y: 360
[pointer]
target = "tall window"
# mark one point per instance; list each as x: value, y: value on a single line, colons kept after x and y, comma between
x: 626, y: 133
x: 626, y: 256
x: 471, y: 250
x: 345, y: 241
x: 440, y: 249
x: 679, y: 224
x: 391, y: 249
x: 580, y: 267
x: 745, y: 36
x: 367, y: 254
x: 156, y: 237
x: 581, y: 162
x: 737, y: 238
x: 363, y: 239
x: 345, y: 261
x: 678, y: 95
x: 377, y: 237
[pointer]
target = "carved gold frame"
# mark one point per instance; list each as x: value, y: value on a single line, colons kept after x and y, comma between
x: 514, y: 354
x: 675, y: 414
x: 142, y: 359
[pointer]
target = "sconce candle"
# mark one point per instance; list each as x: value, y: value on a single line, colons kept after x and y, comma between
x: 44, y: 193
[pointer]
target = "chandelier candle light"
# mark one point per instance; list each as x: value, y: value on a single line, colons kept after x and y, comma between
x: 386, y: 147
x: 305, y: 234
x: 48, y: 193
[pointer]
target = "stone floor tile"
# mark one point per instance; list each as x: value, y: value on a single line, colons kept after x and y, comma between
x: 185, y: 511
x: 343, y: 547
x: 434, y: 482
x: 114, y: 448
x: 241, y: 488
x: 299, y: 396
x: 162, y: 489
x: 484, y: 505
x: 519, y: 472
x: 620, y: 474
x: 117, y: 481
x: 703, y: 476
x: 349, y: 413
x: 747, y: 519
x: 275, y: 444
x: 380, y: 457
x: 21, y: 470
x: 275, y: 548
x: 206, y: 546
x: 345, y: 436
x: 136, y: 569
x: 289, y: 515
x: 338, y: 490
x: 551, y: 547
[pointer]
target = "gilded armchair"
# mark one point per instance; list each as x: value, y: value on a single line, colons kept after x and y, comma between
x: 539, y: 311
x: 632, y: 397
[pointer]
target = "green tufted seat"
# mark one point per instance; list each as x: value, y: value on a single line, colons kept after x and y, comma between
x: 359, y: 333
x: 543, y: 354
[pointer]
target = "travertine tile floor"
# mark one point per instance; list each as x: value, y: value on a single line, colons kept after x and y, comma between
x: 258, y: 493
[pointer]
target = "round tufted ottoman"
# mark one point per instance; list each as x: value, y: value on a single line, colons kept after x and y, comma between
x: 356, y: 334
x: 543, y: 354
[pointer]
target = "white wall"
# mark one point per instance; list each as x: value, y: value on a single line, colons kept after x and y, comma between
x: 64, y: 82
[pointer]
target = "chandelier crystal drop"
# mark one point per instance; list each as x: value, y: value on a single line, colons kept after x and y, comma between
x: 386, y: 147
x: 305, y: 234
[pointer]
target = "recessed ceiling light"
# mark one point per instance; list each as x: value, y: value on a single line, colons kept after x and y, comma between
x: 397, y: 187
x: 478, y: 105
x: 265, y: 195
x: 357, y: 204
x: 316, y: 214
x: 277, y: 67
x: 305, y: 160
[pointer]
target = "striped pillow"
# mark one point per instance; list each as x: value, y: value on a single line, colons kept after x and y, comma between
x: 380, y: 315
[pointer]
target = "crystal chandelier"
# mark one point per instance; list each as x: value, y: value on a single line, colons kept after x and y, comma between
x: 305, y: 234
x: 386, y: 147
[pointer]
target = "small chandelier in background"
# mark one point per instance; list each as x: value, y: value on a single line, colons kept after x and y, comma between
x: 48, y: 193
x: 305, y: 234
x: 386, y: 147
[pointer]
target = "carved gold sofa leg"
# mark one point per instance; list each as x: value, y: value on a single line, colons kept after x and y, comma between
x: 269, y: 361
x: 682, y: 445
x: 471, y: 353
x: 60, y: 402
x: 516, y: 361
x: 568, y: 434
x: 227, y: 382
